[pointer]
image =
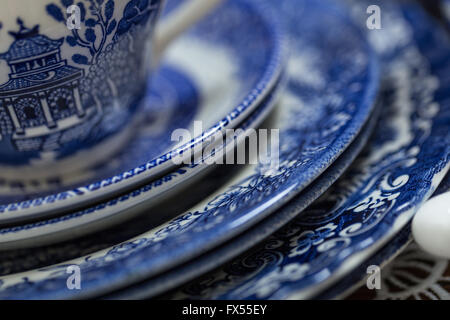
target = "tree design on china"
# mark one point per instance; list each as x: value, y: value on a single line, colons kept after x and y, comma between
x: 99, y: 23
x: 107, y: 46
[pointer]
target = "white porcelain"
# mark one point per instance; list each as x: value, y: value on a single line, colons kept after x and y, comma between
x: 431, y: 226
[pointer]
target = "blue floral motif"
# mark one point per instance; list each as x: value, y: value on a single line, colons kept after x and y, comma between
x: 51, y: 104
x: 101, y: 15
x: 136, y: 12
x: 381, y: 257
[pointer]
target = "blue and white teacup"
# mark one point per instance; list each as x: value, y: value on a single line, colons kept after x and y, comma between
x: 73, y: 73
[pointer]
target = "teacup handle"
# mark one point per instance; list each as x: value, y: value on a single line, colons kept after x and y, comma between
x: 184, y: 16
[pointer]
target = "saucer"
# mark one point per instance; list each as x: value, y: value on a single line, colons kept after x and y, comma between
x: 184, y: 176
x: 230, y: 82
x: 403, y: 164
x: 128, y: 206
x: 332, y: 84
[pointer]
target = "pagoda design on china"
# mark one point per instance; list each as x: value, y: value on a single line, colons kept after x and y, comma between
x: 42, y: 95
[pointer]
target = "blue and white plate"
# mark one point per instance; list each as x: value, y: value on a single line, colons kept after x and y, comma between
x: 230, y: 82
x: 402, y: 165
x: 330, y: 95
x: 400, y: 245
x: 212, y: 260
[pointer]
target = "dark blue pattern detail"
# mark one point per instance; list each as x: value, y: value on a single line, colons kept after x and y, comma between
x: 136, y: 12
x: 36, y: 65
x: 26, y: 47
x: 39, y: 70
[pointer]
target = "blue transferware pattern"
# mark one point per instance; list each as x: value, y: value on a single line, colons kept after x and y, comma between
x: 60, y: 99
x: 117, y: 210
x: 333, y: 79
x: 403, y: 164
x: 19, y: 260
x: 26, y: 258
x: 394, y: 247
x: 383, y: 257
x: 241, y: 80
x: 210, y: 261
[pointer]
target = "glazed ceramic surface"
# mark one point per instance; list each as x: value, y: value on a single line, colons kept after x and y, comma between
x: 408, y: 286
x: 212, y: 260
x: 68, y: 89
x: 145, y: 200
x: 198, y: 189
x: 402, y: 165
x: 232, y: 82
x: 330, y: 96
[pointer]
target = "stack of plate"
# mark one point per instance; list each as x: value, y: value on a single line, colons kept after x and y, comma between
x: 362, y: 119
